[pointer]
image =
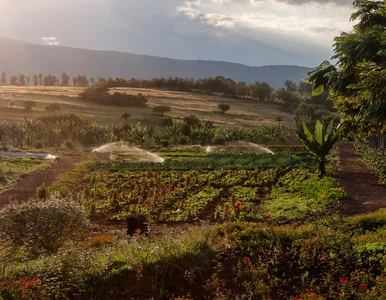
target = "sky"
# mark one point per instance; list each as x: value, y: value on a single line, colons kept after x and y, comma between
x: 251, y: 32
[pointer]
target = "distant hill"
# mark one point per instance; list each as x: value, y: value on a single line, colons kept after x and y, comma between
x: 19, y: 57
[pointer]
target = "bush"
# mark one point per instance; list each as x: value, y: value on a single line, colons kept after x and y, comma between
x: 53, y: 107
x: 224, y: 107
x: 161, y: 109
x: 100, y: 95
x: 43, y: 224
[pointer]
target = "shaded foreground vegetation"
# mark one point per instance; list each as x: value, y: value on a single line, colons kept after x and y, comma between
x: 332, y: 259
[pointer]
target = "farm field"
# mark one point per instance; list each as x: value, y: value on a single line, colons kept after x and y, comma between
x: 244, y: 113
x: 250, y: 187
x: 218, y: 225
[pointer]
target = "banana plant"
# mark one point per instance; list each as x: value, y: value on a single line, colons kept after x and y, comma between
x: 320, y: 143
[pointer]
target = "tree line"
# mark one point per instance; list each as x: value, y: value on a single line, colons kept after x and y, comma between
x: 47, y: 80
x: 212, y: 85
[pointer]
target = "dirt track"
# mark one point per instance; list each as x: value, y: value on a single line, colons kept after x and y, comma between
x: 367, y: 195
x: 26, y: 187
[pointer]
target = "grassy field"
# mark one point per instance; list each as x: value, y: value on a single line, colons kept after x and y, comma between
x: 242, y: 113
x: 12, y: 169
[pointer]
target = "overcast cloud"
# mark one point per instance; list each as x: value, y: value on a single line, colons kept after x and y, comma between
x: 253, y: 32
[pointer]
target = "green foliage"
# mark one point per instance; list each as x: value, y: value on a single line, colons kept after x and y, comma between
x: 358, y: 85
x: 299, y: 194
x: 43, y: 225
x: 216, y: 161
x: 333, y: 258
x: 320, y: 143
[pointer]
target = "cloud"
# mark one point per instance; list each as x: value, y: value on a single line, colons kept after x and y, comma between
x: 313, y: 23
x: 187, y: 8
x: 51, y: 41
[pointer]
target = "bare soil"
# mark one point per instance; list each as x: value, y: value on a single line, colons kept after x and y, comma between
x: 25, y: 188
x: 360, y: 183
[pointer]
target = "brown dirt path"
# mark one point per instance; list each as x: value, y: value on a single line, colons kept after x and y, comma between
x: 362, y: 185
x: 26, y: 187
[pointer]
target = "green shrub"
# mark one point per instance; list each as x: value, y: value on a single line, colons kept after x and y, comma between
x: 42, y: 192
x: 43, y: 224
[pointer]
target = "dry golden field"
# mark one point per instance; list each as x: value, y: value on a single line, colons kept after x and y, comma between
x: 242, y: 113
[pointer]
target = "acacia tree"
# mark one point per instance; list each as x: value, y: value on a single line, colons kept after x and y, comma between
x: 223, y: 107
x: 357, y: 83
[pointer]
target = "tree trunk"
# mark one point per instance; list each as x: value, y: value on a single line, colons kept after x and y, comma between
x: 322, y: 168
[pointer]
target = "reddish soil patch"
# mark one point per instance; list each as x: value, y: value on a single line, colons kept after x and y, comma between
x: 362, y: 185
x: 25, y: 188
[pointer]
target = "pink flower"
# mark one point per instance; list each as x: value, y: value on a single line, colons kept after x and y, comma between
x: 238, y: 203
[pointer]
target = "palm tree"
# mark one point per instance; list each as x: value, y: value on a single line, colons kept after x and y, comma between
x: 320, y: 143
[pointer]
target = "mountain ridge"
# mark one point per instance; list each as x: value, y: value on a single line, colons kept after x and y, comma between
x: 20, y: 57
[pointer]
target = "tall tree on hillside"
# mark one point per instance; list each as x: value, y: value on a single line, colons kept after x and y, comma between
x: 28, y: 80
x: 75, y: 81
x: 21, y: 79
x: 35, y: 80
x: 3, y: 78
x: 40, y: 79
x: 13, y: 80
x: 357, y: 84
